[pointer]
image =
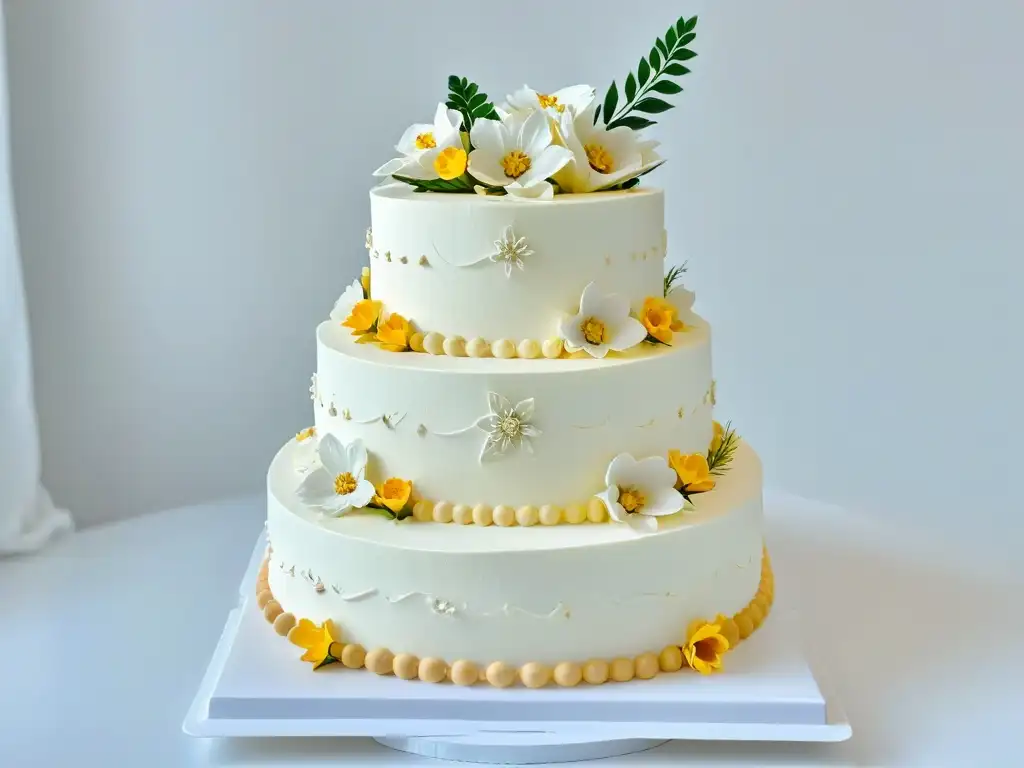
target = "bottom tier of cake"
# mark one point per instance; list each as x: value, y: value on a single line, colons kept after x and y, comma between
x: 519, y: 599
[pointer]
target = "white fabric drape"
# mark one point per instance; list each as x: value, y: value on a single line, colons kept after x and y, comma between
x: 28, y: 518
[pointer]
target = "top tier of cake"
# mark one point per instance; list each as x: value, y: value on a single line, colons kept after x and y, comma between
x: 437, y: 258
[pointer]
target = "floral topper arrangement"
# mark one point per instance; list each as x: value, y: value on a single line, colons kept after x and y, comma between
x: 538, y: 144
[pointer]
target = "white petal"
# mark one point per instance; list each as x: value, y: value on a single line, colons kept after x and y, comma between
x: 316, y: 488
x: 643, y: 523
x: 529, y: 430
x: 486, y: 167
x: 545, y: 164
x: 535, y: 135
x: 577, y: 97
x: 443, y: 120
x: 355, y: 456
x: 407, y: 144
x: 591, y: 302
x: 333, y: 455
x: 613, y: 307
x: 526, y: 444
x: 603, y: 181
x: 628, y: 334
x: 652, y: 474
x: 487, y: 423
x: 537, y: 190
x: 347, y: 300
x: 620, y: 470
x: 362, y: 495
x: 569, y: 330
x: 392, y: 166
x: 597, y: 351
x: 524, y: 99
x: 682, y: 300
x: 488, y: 136
x: 498, y: 404
x: 491, y: 449
x: 610, y: 498
x: 524, y: 409
x: 666, y: 501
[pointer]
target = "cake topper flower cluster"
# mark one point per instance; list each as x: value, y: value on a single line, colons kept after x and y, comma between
x: 538, y: 144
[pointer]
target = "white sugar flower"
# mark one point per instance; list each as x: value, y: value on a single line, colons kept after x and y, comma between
x: 602, y: 324
x: 576, y: 98
x: 347, y: 300
x: 639, y: 492
x: 516, y: 153
x: 421, y: 144
x: 337, y: 484
x: 507, y: 426
x: 511, y: 250
x: 602, y: 158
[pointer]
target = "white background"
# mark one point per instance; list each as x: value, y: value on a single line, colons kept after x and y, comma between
x: 845, y: 180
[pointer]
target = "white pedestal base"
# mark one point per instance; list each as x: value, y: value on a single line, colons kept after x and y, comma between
x: 255, y: 685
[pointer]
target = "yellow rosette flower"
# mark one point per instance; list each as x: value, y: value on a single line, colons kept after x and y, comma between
x: 393, y: 494
x: 316, y: 639
x: 659, y: 318
x: 393, y: 334
x: 364, y: 281
x: 705, y: 645
x: 363, y: 317
x: 693, y: 472
x: 450, y: 163
x: 716, y: 438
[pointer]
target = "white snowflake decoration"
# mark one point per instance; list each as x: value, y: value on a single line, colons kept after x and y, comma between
x: 511, y: 250
x: 507, y: 426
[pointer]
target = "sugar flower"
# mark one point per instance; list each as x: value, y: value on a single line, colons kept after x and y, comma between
x: 507, y: 426
x: 704, y: 647
x: 639, y: 492
x: 364, y: 281
x: 345, y: 303
x: 393, y: 333
x: 602, y: 324
x: 393, y: 494
x: 658, y: 316
x: 316, y: 639
x: 517, y: 154
x: 363, y: 317
x: 602, y: 158
x: 511, y: 250
x: 422, y: 144
x: 576, y: 98
x: 337, y: 485
x: 692, y: 471
x: 716, y: 438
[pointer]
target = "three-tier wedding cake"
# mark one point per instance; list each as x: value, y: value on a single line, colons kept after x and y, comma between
x: 514, y: 475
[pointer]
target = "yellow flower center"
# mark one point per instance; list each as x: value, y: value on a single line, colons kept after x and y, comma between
x: 631, y: 499
x: 305, y: 434
x: 515, y: 163
x: 593, y: 330
x: 600, y: 159
x: 510, y: 426
x: 706, y: 650
x: 450, y: 163
x: 550, y: 101
x: 425, y: 141
x: 344, y: 484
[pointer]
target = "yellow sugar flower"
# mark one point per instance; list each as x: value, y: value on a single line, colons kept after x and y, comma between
x: 450, y: 163
x: 316, y: 639
x: 716, y: 438
x: 364, y: 317
x: 693, y: 471
x: 393, y: 334
x: 364, y: 281
x: 705, y: 645
x: 393, y: 494
x: 659, y: 318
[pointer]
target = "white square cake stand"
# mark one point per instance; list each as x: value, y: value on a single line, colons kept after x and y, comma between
x: 255, y: 686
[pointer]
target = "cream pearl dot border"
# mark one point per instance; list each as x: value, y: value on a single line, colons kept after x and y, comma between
x: 593, y: 510
x: 433, y: 343
x: 534, y: 674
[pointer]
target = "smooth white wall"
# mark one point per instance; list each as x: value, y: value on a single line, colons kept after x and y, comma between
x: 844, y: 179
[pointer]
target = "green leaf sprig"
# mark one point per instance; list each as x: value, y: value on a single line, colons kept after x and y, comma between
x: 461, y: 183
x: 673, y: 276
x: 652, y: 76
x: 465, y: 97
x: 719, y: 459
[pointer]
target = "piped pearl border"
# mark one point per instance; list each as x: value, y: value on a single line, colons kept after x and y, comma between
x: 434, y: 343
x: 533, y: 674
x: 593, y: 510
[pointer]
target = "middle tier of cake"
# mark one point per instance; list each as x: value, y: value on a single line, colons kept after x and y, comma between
x: 442, y: 422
